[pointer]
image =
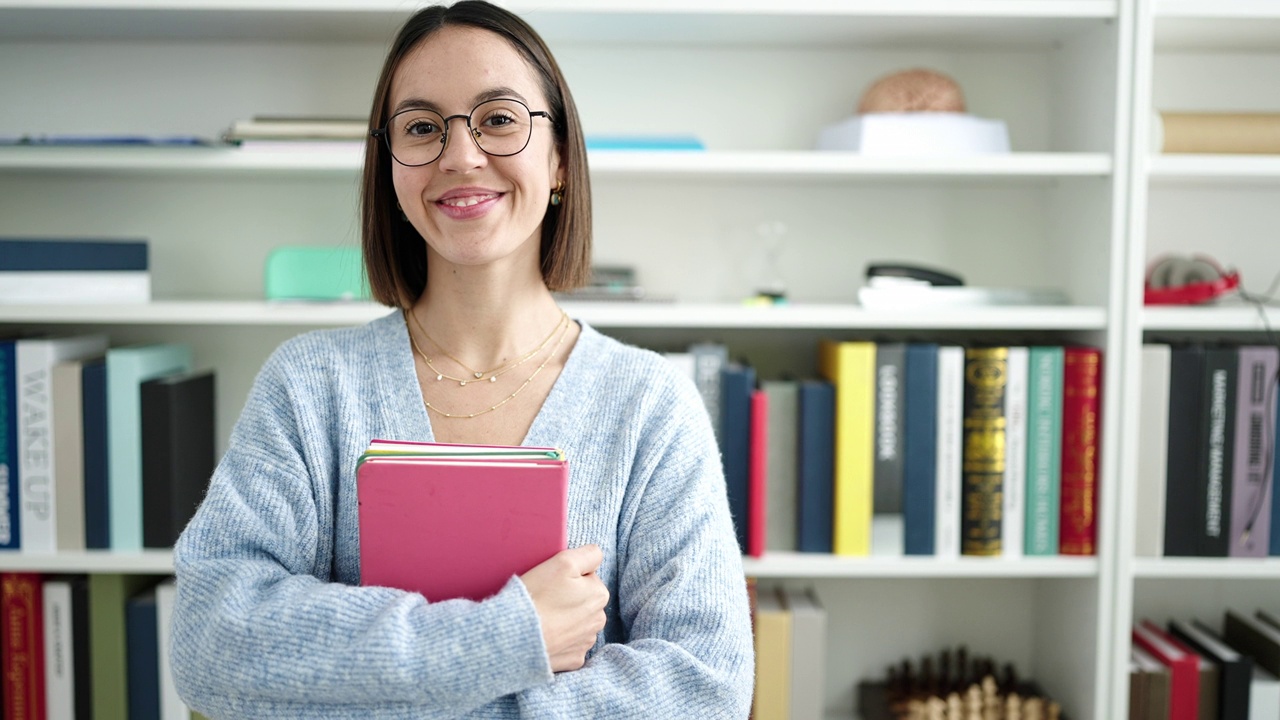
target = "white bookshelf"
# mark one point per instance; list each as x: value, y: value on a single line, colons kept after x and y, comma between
x: 146, y: 562
x: 1054, y: 213
x: 1193, y: 55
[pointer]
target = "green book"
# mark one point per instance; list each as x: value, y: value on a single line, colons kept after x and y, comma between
x: 1044, y: 450
x: 127, y: 369
x: 108, y: 653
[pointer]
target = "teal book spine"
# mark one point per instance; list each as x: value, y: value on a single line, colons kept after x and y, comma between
x: 127, y: 369
x: 1044, y: 450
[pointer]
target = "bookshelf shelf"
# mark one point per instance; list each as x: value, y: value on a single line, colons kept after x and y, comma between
x: 1207, y: 319
x: 146, y: 562
x: 1224, y: 169
x: 1207, y: 568
x: 1231, y: 25
x: 809, y: 565
x: 985, y: 22
x: 601, y: 314
x: 658, y: 165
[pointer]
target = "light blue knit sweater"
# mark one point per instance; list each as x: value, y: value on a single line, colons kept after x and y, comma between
x: 270, y: 621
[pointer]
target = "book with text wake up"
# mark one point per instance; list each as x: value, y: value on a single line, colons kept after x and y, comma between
x: 457, y: 521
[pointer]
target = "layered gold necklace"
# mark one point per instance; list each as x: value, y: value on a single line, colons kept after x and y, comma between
x: 477, y: 375
x: 562, y: 327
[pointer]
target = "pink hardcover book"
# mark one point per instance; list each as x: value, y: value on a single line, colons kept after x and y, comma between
x: 452, y: 521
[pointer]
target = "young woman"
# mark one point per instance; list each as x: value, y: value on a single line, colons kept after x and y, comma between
x: 476, y: 207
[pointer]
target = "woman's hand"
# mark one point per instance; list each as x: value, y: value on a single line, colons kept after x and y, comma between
x: 570, y: 600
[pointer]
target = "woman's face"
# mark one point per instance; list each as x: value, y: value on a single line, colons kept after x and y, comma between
x: 472, y: 208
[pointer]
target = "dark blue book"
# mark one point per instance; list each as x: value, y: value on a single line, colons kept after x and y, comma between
x: 815, y: 474
x: 142, y: 633
x: 10, y: 539
x: 97, y: 506
x: 736, y: 385
x: 920, y: 449
x: 27, y: 255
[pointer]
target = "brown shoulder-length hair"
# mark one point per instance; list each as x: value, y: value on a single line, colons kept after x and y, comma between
x: 395, y: 255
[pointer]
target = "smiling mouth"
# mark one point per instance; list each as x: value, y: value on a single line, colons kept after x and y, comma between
x: 467, y: 201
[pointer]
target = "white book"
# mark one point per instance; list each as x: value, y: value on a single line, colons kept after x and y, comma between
x: 808, y: 654
x: 1264, y: 695
x: 59, y: 669
x: 1014, y: 493
x: 950, y: 430
x: 684, y: 363
x: 171, y: 705
x: 1153, y: 448
x: 55, y: 287
x: 34, y: 361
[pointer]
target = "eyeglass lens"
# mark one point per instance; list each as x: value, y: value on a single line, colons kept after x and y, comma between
x: 500, y: 127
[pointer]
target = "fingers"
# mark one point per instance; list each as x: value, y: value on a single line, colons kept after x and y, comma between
x: 583, y: 560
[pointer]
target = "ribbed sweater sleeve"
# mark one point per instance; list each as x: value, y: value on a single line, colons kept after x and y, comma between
x: 271, y: 620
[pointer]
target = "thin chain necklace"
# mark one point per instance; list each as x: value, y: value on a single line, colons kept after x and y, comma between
x: 494, y: 373
x: 564, y: 334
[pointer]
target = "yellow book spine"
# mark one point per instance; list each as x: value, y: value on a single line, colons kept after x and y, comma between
x: 851, y: 367
x: 772, y: 699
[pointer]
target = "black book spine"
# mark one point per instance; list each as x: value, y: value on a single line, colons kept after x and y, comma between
x: 1182, y: 501
x: 1218, y: 427
x: 890, y: 427
x: 83, y: 681
x: 178, y: 453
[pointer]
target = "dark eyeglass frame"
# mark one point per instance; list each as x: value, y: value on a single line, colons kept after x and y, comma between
x: 384, y: 132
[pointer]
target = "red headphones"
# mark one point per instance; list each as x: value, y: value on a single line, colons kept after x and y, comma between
x: 1179, y: 280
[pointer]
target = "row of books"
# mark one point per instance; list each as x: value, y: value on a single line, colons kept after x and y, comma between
x: 47, y: 270
x: 74, y: 647
x: 910, y: 448
x: 100, y: 448
x: 1189, y: 670
x: 1208, y: 436
x: 790, y: 627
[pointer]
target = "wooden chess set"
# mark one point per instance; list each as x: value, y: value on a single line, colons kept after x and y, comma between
x: 953, y: 686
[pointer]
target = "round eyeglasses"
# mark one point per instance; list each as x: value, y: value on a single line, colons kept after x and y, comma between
x: 500, y: 128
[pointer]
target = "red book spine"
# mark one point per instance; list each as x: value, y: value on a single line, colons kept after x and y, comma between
x: 757, y: 513
x: 22, y: 646
x: 1184, y: 669
x: 1081, y: 394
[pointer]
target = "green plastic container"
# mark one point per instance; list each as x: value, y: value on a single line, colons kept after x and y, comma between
x: 316, y: 273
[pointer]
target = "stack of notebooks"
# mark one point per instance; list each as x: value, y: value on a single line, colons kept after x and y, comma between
x: 458, y: 521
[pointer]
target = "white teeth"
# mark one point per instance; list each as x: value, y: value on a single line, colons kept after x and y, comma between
x: 466, y: 201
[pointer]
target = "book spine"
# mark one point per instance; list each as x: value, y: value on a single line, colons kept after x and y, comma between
x: 949, y: 476
x: 143, y: 643
x: 68, y: 441
x: 985, y: 382
x: 1250, y: 492
x: 757, y: 496
x: 816, y: 460
x: 1153, y: 437
x: 782, y: 463
x: 1081, y: 405
x: 920, y: 449
x: 1044, y: 450
x: 71, y: 255
x: 58, y: 669
x: 1218, y: 428
x: 736, y: 383
x: 97, y: 507
x: 80, y: 654
x: 10, y: 500
x: 22, y: 646
x: 851, y: 367
x: 1013, y: 514
x: 35, y: 360
x: 709, y: 359
x: 891, y: 359
x: 171, y: 705
x: 1183, y: 502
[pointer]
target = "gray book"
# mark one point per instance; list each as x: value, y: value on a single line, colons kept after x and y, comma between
x: 808, y: 654
x: 780, y: 477
x: 708, y: 360
x: 890, y: 414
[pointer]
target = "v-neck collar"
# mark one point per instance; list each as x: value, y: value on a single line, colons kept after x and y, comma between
x: 406, y: 414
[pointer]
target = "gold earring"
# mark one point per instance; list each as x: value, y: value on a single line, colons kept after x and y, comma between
x: 557, y: 194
